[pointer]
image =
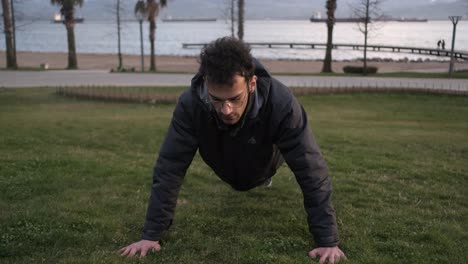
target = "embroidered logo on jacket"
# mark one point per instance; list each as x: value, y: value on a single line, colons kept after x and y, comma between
x: 252, y: 141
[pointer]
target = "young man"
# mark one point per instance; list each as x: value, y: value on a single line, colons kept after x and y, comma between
x: 244, y: 123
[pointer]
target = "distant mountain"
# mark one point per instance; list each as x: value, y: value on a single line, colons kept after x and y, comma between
x: 434, y: 10
x: 103, y: 10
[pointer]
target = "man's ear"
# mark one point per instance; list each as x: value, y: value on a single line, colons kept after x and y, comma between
x: 252, y: 84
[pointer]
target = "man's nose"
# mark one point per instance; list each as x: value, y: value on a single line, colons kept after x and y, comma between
x: 226, y: 108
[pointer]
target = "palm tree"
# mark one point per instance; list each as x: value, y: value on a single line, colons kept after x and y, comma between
x: 327, y: 63
x: 140, y: 14
x: 153, y: 7
x: 240, y: 19
x: 68, y: 12
x: 8, y: 29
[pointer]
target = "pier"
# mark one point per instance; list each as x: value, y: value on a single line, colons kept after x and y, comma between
x: 458, y: 54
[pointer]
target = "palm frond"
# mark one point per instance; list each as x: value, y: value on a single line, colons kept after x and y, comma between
x: 140, y: 7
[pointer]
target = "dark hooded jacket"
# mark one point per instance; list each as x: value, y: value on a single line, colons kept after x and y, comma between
x: 244, y: 156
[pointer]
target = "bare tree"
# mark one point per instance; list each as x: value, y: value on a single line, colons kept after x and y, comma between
x: 327, y: 62
x: 232, y: 16
x: 228, y: 12
x: 368, y: 13
x: 240, y: 19
x: 8, y: 29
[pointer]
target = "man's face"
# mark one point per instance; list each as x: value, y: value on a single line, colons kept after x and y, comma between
x: 230, y: 102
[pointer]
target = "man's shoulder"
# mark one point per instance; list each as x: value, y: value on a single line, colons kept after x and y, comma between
x: 279, y: 95
x: 187, y: 98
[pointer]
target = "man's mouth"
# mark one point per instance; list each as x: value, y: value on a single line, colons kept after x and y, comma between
x: 227, y: 117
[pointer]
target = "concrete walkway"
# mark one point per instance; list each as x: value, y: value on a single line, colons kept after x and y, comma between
x: 18, y: 79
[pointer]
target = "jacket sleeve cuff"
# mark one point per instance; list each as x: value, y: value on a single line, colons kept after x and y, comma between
x: 329, y: 241
x: 151, y: 235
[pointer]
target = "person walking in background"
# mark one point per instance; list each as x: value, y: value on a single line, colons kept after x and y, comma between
x: 443, y: 44
x: 438, y: 44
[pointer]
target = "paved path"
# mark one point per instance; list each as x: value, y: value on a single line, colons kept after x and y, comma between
x: 17, y: 79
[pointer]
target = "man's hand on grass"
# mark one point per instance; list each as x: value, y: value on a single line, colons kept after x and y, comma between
x: 142, y: 246
x: 330, y: 254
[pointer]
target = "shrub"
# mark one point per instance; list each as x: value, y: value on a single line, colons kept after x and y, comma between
x: 359, y: 69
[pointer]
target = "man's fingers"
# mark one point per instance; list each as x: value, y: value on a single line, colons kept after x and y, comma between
x: 157, y: 247
x: 144, y: 251
x: 313, y: 253
x: 133, y: 251
x: 323, y: 258
x: 342, y: 255
x: 332, y: 259
x: 125, y: 250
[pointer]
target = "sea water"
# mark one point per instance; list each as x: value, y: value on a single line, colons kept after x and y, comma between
x: 101, y: 37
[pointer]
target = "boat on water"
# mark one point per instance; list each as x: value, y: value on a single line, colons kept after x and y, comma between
x: 171, y: 19
x: 59, y: 18
x: 401, y: 19
x: 338, y: 20
x: 317, y: 17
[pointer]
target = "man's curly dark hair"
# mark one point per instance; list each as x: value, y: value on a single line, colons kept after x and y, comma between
x: 224, y: 58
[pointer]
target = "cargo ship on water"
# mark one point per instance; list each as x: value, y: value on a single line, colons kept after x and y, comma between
x: 171, y: 19
x: 59, y: 18
x: 317, y: 18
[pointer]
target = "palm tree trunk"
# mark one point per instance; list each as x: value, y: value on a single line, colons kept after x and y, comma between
x: 327, y: 62
x: 366, y: 22
x: 152, y: 39
x: 240, y: 20
x: 72, y: 61
x: 118, y: 36
x: 13, y: 23
x: 70, y: 26
x: 11, y: 58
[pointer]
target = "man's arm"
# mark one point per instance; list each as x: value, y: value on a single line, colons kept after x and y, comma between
x: 175, y: 156
x: 302, y: 154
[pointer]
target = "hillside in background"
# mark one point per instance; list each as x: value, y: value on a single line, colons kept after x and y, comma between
x: 103, y: 10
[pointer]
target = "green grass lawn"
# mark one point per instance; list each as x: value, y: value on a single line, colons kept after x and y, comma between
x: 432, y: 75
x: 75, y: 177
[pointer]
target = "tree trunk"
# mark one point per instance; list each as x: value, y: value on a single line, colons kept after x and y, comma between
x: 118, y: 36
x: 13, y: 23
x: 327, y: 62
x: 11, y: 58
x: 70, y: 26
x: 72, y: 61
x: 366, y: 22
x: 152, y: 39
x: 240, y: 20
x: 232, y: 18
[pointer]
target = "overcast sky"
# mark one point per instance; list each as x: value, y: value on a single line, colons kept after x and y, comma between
x: 255, y: 9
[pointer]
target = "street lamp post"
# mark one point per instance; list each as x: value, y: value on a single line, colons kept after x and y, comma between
x: 454, y: 20
x: 140, y: 17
